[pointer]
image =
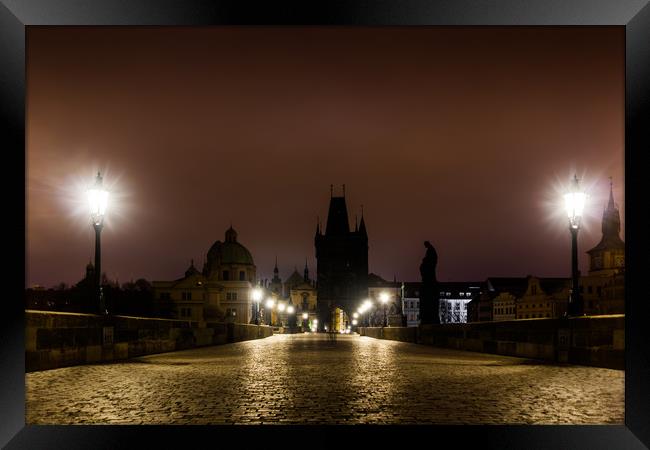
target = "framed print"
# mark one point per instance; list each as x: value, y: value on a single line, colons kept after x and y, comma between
x: 265, y: 176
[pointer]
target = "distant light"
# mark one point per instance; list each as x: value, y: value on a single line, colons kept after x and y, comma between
x: 315, y: 321
x: 355, y: 321
x: 355, y: 315
x: 291, y: 309
x: 384, y: 297
x: 281, y: 307
x: 257, y: 294
x: 270, y: 303
x: 305, y: 316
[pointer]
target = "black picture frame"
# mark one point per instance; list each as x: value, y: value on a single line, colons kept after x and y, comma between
x: 634, y: 15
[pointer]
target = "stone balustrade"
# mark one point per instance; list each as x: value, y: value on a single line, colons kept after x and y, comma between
x: 55, y: 339
x: 597, y: 341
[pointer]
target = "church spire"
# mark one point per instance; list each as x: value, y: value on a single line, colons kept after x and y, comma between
x: 611, y: 225
x: 306, y: 272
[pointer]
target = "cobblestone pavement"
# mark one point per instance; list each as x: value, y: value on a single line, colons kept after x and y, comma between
x: 309, y: 379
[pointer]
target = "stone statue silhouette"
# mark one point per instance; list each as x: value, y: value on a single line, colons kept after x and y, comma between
x: 429, y: 296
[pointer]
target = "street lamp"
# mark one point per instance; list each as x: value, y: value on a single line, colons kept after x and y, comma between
x: 270, y: 303
x: 367, y: 304
x: 574, y: 202
x: 305, y: 316
x: 383, y: 298
x: 257, y: 298
x: 98, y: 201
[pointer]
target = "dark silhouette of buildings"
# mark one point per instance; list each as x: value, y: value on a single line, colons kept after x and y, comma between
x: 342, y: 263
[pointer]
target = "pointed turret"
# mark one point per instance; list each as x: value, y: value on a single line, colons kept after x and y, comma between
x: 306, y: 272
x: 191, y: 270
x: 362, y: 227
x: 611, y: 225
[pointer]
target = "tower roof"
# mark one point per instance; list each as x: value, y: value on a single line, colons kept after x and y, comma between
x: 337, y: 217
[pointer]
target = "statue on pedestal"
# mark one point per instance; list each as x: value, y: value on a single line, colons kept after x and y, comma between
x: 429, y: 295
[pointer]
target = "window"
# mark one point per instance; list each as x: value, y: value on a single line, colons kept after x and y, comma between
x: 225, y: 275
x: 165, y: 296
x: 231, y: 296
x: 186, y: 312
x: 242, y: 275
x: 186, y: 295
x: 533, y: 289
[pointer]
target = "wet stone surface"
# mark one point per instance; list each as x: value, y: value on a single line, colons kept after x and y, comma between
x: 310, y: 379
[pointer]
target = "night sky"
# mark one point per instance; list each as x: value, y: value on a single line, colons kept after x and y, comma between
x: 461, y: 136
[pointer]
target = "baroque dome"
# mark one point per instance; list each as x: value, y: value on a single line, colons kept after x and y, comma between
x: 228, y: 252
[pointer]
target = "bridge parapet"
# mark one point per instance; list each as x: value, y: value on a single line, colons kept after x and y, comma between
x: 592, y: 340
x: 55, y: 339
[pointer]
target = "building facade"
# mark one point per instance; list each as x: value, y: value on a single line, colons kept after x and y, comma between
x: 544, y: 298
x: 221, y: 291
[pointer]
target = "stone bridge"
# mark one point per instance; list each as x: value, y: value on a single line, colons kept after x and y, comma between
x: 325, y: 379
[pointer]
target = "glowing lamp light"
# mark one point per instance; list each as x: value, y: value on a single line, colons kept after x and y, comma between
x: 355, y: 315
x: 97, y: 201
x: 574, y: 202
x: 257, y: 295
x: 290, y: 309
x: 305, y: 316
x: 270, y: 303
x: 355, y: 321
x: 383, y: 297
x: 281, y: 307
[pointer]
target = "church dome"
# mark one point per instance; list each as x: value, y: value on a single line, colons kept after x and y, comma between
x: 228, y: 252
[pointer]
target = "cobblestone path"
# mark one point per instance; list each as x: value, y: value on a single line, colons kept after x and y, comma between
x: 308, y: 379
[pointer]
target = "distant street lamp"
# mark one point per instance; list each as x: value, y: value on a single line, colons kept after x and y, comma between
x: 305, y: 316
x: 367, y: 304
x: 257, y: 298
x: 270, y: 303
x: 383, y: 298
x: 98, y: 201
x: 575, y: 201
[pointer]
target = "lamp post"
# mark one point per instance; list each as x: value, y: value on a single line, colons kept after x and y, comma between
x: 383, y: 298
x: 257, y: 297
x: 574, y: 202
x: 305, y: 316
x: 98, y: 201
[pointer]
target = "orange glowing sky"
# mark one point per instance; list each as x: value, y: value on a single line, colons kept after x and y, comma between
x: 461, y: 136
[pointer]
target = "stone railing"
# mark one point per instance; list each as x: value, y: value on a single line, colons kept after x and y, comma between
x: 54, y: 339
x: 593, y: 341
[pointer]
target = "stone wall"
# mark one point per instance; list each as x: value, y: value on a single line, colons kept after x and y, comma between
x: 54, y: 339
x: 593, y: 341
